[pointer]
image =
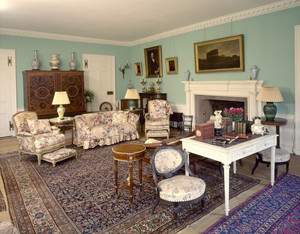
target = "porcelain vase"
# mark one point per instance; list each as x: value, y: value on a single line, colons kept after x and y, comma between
x: 35, y: 64
x: 72, y: 63
x: 54, y: 62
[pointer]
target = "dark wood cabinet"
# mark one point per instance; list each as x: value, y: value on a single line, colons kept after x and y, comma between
x: 40, y: 86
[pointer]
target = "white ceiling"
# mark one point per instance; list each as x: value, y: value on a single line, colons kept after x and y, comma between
x: 116, y: 20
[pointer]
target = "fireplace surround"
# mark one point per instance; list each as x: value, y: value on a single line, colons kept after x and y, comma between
x: 243, y: 91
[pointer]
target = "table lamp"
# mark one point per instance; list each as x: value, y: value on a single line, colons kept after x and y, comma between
x: 61, y: 98
x: 269, y: 95
x: 132, y: 95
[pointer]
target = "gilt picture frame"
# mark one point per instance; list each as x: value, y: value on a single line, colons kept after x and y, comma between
x: 172, y: 65
x: 153, y: 65
x: 138, y: 69
x: 220, y: 55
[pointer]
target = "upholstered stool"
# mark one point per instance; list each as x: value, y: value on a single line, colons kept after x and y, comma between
x: 281, y: 157
x: 59, y: 155
x: 157, y: 133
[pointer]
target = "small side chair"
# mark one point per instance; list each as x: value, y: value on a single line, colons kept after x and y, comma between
x: 282, y: 157
x: 178, y: 190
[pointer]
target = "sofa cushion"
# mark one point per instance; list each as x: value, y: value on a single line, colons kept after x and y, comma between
x: 120, y: 117
x: 99, y: 132
x: 39, y: 126
x: 100, y: 118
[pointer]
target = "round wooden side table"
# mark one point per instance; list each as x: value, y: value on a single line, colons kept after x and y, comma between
x: 63, y: 124
x: 276, y: 122
x: 128, y: 153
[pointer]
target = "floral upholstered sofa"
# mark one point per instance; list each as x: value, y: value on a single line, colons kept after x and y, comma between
x: 105, y: 128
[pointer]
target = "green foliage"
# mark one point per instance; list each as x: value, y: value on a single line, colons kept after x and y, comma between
x: 89, y: 95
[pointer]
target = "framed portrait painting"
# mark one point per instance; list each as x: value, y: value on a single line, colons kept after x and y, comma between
x: 171, y: 65
x: 138, y: 69
x: 153, y: 63
x: 220, y: 55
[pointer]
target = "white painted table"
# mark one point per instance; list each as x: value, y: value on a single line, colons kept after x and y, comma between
x: 229, y: 154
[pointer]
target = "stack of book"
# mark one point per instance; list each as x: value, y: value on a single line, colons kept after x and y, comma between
x: 226, y: 125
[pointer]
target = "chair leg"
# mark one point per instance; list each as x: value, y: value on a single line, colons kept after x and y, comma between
x: 155, y: 205
x: 255, y: 166
x: 176, y: 210
x: 287, y: 166
x: 202, y: 204
x: 20, y: 156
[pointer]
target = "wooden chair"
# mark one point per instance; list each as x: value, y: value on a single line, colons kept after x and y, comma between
x: 178, y: 190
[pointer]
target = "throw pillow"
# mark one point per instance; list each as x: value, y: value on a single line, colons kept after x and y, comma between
x: 39, y: 126
x: 120, y: 117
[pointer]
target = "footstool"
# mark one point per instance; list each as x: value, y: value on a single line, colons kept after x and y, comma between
x: 59, y: 155
x: 157, y: 133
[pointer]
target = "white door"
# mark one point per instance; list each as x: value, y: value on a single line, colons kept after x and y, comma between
x: 8, y: 97
x: 99, y: 76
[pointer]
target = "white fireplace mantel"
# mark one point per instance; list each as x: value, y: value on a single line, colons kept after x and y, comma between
x: 246, y: 89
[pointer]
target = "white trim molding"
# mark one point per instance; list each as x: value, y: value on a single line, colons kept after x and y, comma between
x: 296, y: 147
x: 245, y: 89
x: 269, y: 8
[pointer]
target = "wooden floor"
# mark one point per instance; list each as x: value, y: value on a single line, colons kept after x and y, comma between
x: 262, y: 173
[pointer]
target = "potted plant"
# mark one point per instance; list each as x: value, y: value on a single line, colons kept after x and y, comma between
x: 89, y: 96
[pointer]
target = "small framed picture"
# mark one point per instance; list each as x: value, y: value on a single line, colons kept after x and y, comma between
x: 171, y: 65
x: 138, y: 69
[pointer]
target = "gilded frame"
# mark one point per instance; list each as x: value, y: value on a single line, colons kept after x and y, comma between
x: 220, y: 55
x: 153, y: 67
x: 138, y: 69
x: 172, y: 65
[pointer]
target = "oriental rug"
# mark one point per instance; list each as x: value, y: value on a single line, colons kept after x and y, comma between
x: 2, y: 203
x: 272, y: 210
x: 78, y: 196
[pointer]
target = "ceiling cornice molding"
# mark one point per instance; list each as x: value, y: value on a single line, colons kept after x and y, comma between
x: 53, y: 36
x: 269, y: 8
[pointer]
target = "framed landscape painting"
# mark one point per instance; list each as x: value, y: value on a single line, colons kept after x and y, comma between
x: 171, y: 65
x: 220, y: 55
x: 153, y: 62
x: 138, y: 69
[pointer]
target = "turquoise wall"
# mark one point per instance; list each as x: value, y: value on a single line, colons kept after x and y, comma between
x: 268, y: 44
x: 25, y: 46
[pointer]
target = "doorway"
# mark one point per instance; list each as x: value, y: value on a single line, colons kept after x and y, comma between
x: 8, y: 92
x: 99, y: 76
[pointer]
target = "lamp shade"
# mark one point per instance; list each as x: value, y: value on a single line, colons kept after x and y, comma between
x: 60, y: 98
x: 132, y: 94
x: 269, y: 94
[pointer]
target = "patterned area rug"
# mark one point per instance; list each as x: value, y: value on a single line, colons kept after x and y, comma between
x: 272, y: 210
x: 78, y: 196
x: 2, y: 203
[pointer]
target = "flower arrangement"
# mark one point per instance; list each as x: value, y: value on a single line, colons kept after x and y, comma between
x: 236, y: 114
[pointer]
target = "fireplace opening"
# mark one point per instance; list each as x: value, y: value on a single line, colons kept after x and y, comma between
x: 205, y: 106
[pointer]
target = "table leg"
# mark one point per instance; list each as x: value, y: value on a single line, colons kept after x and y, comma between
x: 234, y: 167
x: 116, y: 176
x: 130, y: 182
x: 226, y: 187
x: 188, y: 163
x: 140, y: 174
x: 272, y: 164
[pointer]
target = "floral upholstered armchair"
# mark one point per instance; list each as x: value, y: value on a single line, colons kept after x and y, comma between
x: 35, y: 136
x: 171, y: 187
x: 157, y: 120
